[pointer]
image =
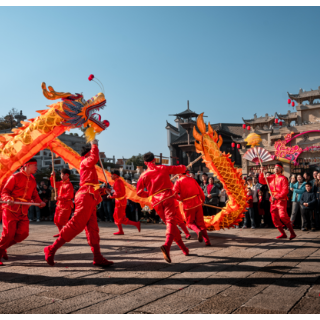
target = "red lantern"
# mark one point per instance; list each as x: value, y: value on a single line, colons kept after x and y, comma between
x: 238, y: 146
x: 289, y: 101
x: 233, y: 145
x: 91, y: 77
x: 280, y: 123
x: 293, y: 104
x: 248, y: 128
x: 276, y: 121
x: 243, y: 126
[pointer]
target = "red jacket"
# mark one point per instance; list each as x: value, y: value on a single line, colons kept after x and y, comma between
x: 278, y: 185
x: 157, y: 182
x: 88, y: 174
x: 189, y: 192
x: 119, y: 193
x: 65, y: 193
x: 22, y: 188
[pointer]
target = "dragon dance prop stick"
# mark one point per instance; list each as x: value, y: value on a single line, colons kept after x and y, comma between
x: 254, y: 140
x: 102, y: 167
x: 24, y: 203
x: 188, y: 166
x: 211, y: 206
x: 54, y: 176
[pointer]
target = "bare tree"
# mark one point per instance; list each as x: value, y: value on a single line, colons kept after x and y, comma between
x: 9, y: 121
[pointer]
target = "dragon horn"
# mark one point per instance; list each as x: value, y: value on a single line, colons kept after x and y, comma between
x: 53, y: 95
x: 200, y: 124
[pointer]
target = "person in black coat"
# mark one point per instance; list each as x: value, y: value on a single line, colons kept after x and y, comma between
x: 308, y: 201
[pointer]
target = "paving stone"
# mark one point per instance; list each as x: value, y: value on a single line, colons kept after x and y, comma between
x: 228, y: 300
x: 73, y: 304
x: 250, y: 310
x: 172, y: 303
x: 280, y: 296
x: 127, y: 302
x: 24, y: 304
x: 18, y: 293
x: 225, y: 278
x: 307, y: 305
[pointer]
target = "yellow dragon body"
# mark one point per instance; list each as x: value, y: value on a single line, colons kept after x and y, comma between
x: 39, y: 133
x: 219, y: 163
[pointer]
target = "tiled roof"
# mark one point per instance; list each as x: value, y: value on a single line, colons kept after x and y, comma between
x: 232, y: 128
x: 169, y: 125
x: 185, y: 113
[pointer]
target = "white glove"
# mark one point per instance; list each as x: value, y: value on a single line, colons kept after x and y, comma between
x: 95, y: 141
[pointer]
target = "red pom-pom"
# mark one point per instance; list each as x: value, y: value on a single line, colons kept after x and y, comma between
x: 289, y: 101
x: 276, y: 120
x: 293, y: 103
x: 243, y: 126
x: 106, y: 123
x: 91, y: 77
x: 248, y: 128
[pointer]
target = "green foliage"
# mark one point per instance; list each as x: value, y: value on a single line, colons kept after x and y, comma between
x: 137, y: 161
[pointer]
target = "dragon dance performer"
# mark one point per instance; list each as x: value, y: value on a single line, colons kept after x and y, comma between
x: 279, y: 188
x: 181, y: 222
x: 121, y: 203
x: 156, y: 180
x: 65, y: 194
x: 189, y: 192
x: 20, y: 187
x: 85, y: 216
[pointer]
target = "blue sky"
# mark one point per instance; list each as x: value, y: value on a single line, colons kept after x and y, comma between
x: 230, y: 62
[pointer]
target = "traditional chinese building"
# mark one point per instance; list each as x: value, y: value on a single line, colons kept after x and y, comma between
x: 180, y: 139
x: 293, y: 137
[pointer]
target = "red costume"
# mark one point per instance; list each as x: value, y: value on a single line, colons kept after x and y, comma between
x: 278, y: 207
x: 85, y: 217
x: 22, y: 188
x: 156, y: 180
x: 181, y: 220
x: 65, y: 194
x: 189, y: 192
x: 120, y: 207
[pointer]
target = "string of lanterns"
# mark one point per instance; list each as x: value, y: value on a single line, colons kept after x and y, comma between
x: 233, y: 145
x: 276, y: 121
x: 292, y: 103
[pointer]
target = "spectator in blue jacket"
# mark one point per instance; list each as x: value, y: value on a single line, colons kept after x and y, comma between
x: 308, y: 201
x: 298, y: 189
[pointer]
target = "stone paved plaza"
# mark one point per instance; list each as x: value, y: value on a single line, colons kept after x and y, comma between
x: 245, y: 271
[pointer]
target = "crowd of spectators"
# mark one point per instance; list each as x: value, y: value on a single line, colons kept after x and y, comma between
x: 303, y: 205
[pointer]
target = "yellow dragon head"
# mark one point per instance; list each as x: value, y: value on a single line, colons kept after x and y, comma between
x: 76, y: 111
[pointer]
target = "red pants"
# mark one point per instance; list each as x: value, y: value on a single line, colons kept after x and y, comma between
x: 195, y: 219
x: 15, y: 228
x: 61, y: 217
x: 278, y: 211
x: 120, y: 215
x: 85, y: 217
x: 166, y: 210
